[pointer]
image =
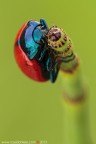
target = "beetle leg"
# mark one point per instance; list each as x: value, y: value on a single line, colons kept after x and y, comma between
x: 53, y: 68
x: 43, y: 22
x: 49, y: 64
x: 42, y: 54
x: 54, y: 72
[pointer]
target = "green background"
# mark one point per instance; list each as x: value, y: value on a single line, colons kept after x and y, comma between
x: 31, y: 110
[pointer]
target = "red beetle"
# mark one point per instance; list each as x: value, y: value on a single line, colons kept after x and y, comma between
x: 32, y: 52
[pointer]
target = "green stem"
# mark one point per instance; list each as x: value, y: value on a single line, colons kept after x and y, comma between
x: 76, y: 126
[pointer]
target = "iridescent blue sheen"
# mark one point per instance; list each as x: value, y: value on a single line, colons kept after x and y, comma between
x: 31, y: 38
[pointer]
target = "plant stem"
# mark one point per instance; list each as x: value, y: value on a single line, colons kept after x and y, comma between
x: 76, y: 126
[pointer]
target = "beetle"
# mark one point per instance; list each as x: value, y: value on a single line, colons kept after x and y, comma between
x: 33, y: 54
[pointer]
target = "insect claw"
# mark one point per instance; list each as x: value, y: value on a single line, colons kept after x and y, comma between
x: 53, y: 25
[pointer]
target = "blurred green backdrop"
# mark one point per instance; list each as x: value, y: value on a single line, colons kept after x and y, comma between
x: 31, y: 110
